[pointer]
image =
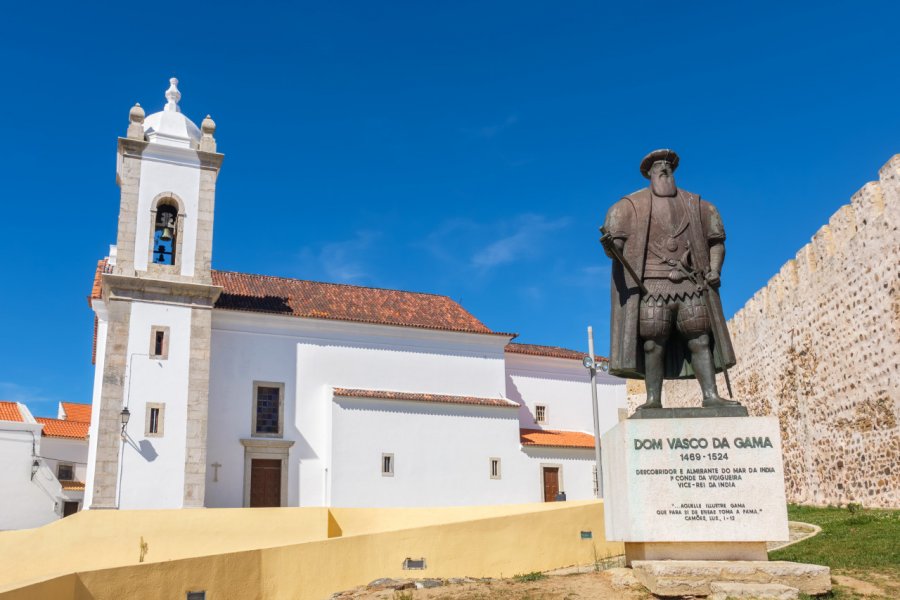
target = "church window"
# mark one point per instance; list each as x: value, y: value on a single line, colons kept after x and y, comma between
x: 540, y: 414
x: 164, y: 235
x: 495, y: 468
x: 268, y: 409
x: 65, y: 472
x: 387, y: 465
x: 154, y: 419
x: 159, y: 342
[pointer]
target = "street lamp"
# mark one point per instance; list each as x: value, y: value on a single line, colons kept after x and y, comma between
x: 593, y: 365
x: 125, y: 414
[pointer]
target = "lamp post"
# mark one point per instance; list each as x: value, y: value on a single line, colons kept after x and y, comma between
x: 592, y: 365
x: 125, y: 415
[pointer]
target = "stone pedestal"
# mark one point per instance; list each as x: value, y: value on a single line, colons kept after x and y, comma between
x: 696, y: 488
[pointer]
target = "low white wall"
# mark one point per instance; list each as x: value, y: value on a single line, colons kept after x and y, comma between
x: 441, y: 454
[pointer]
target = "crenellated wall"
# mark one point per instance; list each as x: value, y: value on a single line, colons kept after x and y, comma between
x: 819, y: 347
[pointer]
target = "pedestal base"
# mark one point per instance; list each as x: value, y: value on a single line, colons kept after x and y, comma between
x: 695, y: 551
x: 697, y: 412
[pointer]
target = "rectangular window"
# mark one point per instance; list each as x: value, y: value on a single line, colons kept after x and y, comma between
x: 154, y: 419
x: 387, y: 465
x: 65, y: 472
x: 495, y: 468
x: 159, y: 342
x: 268, y: 409
x: 540, y: 414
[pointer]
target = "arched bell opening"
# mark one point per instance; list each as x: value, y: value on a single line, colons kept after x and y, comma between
x: 165, y: 233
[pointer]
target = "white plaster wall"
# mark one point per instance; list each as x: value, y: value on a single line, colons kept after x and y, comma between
x: 310, y: 356
x: 564, y: 387
x: 100, y: 357
x: 152, y: 469
x: 66, y: 450
x: 25, y: 502
x: 441, y: 454
x: 165, y: 169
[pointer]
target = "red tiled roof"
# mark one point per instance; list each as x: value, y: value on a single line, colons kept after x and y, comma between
x: 414, y: 397
x: 552, y: 351
x: 311, y: 299
x: 316, y: 300
x: 63, y: 429
x: 9, y: 411
x: 72, y: 486
x: 557, y: 439
x: 76, y: 411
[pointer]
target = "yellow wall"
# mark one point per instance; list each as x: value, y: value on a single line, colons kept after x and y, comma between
x: 99, y: 539
x: 476, y: 541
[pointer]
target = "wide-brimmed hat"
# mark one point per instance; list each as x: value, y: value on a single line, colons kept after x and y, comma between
x: 663, y: 154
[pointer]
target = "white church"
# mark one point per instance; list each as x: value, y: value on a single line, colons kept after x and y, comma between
x: 223, y: 389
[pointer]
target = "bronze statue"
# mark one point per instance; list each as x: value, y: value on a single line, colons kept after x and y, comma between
x: 667, y: 247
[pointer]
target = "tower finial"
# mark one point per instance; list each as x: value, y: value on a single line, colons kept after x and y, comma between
x: 173, y: 96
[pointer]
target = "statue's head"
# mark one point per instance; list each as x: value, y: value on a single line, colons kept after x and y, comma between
x: 659, y: 167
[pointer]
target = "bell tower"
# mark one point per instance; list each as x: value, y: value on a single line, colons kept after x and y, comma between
x: 148, y: 442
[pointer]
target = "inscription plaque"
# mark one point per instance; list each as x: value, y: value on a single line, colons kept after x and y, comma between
x: 694, y: 480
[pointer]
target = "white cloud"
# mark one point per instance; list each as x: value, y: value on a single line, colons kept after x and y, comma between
x: 343, y: 261
x: 526, y: 239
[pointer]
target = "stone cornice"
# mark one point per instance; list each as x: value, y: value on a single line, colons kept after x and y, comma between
x: 137, y: 149
x: 266, y: 443
x: 142, y: 288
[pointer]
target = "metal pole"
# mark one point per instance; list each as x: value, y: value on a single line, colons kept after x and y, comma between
x: 596, y: 412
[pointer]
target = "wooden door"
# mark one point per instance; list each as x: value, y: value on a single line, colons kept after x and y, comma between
x: 70, y: 508
x: 265, y: 482
x: 551, y: 483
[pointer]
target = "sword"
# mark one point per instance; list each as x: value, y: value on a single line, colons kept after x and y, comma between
x: 607, y: 242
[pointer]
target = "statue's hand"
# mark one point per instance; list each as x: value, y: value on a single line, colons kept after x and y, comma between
x: 712, y: 278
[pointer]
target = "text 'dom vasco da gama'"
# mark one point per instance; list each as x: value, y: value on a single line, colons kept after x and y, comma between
x: 708, y: 477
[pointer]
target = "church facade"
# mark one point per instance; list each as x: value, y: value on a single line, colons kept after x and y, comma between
x: 224, y: 389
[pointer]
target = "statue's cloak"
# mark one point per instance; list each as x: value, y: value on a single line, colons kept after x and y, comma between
x: 629, y: 220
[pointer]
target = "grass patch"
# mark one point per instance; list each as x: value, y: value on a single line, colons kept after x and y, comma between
x: 533, y: 576
x: 850, y: 539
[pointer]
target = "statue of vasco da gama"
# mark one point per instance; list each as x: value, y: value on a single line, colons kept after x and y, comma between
x: 667, y: 247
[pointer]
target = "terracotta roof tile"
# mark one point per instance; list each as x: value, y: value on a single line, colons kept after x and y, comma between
x: 76, y: 411
x: 552, y: 351
x: 311, y: 299
x: 63, y: 429
x: 340, y: 302
x: 9, y: 411
x: 72, y: 486
x: 414, y: 397
x: 556, y: 439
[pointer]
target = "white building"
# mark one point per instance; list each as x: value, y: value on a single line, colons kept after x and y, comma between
x: 251, y: 390
x: 42, y: 464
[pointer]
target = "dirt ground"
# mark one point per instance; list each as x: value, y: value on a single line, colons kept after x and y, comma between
x: 612, y: 584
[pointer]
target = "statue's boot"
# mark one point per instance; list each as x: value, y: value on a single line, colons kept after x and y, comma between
x: 706, y: 376
x: 654, y: 352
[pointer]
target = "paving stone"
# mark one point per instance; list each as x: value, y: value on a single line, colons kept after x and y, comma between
x: 693, y: 577
x: 722, y: 590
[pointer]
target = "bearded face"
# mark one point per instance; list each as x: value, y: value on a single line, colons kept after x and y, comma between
x: 662, y: 179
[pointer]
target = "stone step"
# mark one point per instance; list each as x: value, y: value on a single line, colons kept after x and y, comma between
x: 693, y: 577
x: 722, y: 590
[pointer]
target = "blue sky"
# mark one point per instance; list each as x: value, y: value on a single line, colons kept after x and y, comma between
x: 466, y: 148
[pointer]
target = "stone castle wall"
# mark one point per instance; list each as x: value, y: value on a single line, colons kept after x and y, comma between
x: 819, y: 347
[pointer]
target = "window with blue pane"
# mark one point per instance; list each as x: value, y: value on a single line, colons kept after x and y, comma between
x: 164, y: 235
